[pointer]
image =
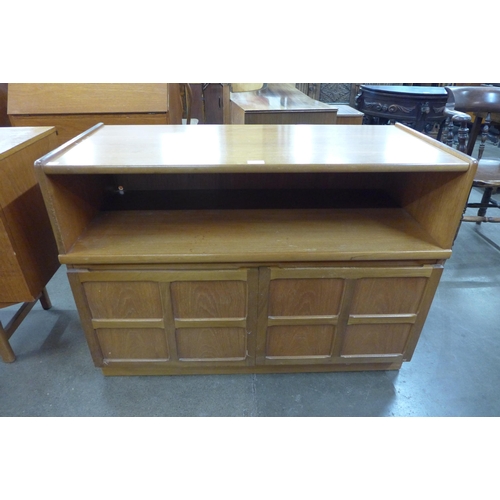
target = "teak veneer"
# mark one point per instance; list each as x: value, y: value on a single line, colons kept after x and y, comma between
x: 263, y: 248
x: 28, y: 251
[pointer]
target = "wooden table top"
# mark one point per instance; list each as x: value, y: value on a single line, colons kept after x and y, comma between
x: 255, y: 148
x: 278, y: 97
x: 14, y: 138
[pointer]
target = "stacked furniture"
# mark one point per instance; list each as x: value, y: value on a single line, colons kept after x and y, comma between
x: 236, y: 249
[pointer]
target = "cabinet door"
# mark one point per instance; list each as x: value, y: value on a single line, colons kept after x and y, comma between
x: 384, y: 315
x: 179, y: 317
x: 299, y: 315
x: 342, y: 315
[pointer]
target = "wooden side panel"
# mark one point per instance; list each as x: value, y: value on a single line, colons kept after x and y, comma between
x: 432, y: 200
x: 237, y: 115
x: 4, y: 119
x: 174, y: 116
x: 12, y: 280
x: 26, y: 222
x: 72, y: 203
x: 78, y: 98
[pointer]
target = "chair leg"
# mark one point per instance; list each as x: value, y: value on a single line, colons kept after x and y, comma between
x: 6, y: 352
x: 485, y: 201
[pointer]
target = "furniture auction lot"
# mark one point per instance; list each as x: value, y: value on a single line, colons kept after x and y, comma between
x: 263, y: 248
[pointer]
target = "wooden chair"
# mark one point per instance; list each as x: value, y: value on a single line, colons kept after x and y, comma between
x: 482, y: 100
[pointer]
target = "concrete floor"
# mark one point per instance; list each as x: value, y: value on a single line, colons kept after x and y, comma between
x: 455, y: 370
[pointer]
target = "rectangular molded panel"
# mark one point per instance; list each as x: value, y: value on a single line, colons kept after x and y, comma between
x: 388, y: 295
x: 304, y: 297
x: 133, y: 343
x: 372, y: 339
x: 123, y: 299
x: 211, y: 343
x: 300, y: 341
x: 209, y: 299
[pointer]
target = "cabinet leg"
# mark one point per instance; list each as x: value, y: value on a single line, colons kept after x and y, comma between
x: 6, y: 352
x: 45, y: 299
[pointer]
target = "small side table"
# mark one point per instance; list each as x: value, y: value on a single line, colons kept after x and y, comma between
x: 417, y: 107
x: 28, y: 250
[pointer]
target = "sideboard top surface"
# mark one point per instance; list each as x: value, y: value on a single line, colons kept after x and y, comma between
x: 251, y: 148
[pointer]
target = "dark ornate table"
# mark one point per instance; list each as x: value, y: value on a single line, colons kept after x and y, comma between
x: 418, y: 107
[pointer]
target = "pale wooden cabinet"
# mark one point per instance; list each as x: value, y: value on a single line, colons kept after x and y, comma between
x: 236, y: 249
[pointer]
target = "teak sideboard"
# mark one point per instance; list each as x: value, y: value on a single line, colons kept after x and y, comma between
x: 253, y: 248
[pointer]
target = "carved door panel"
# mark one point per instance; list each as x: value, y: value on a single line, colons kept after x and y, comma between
x: 382, y: 314
x: 127, y: 317
x: 210, y: 320
x: 387, y: 312
x: 177, y: 317
x: 299, y: 312
x: 338, y: 315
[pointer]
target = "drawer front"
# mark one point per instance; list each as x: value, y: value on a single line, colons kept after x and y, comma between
x: 177, y: 317
x: 342, y: 315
